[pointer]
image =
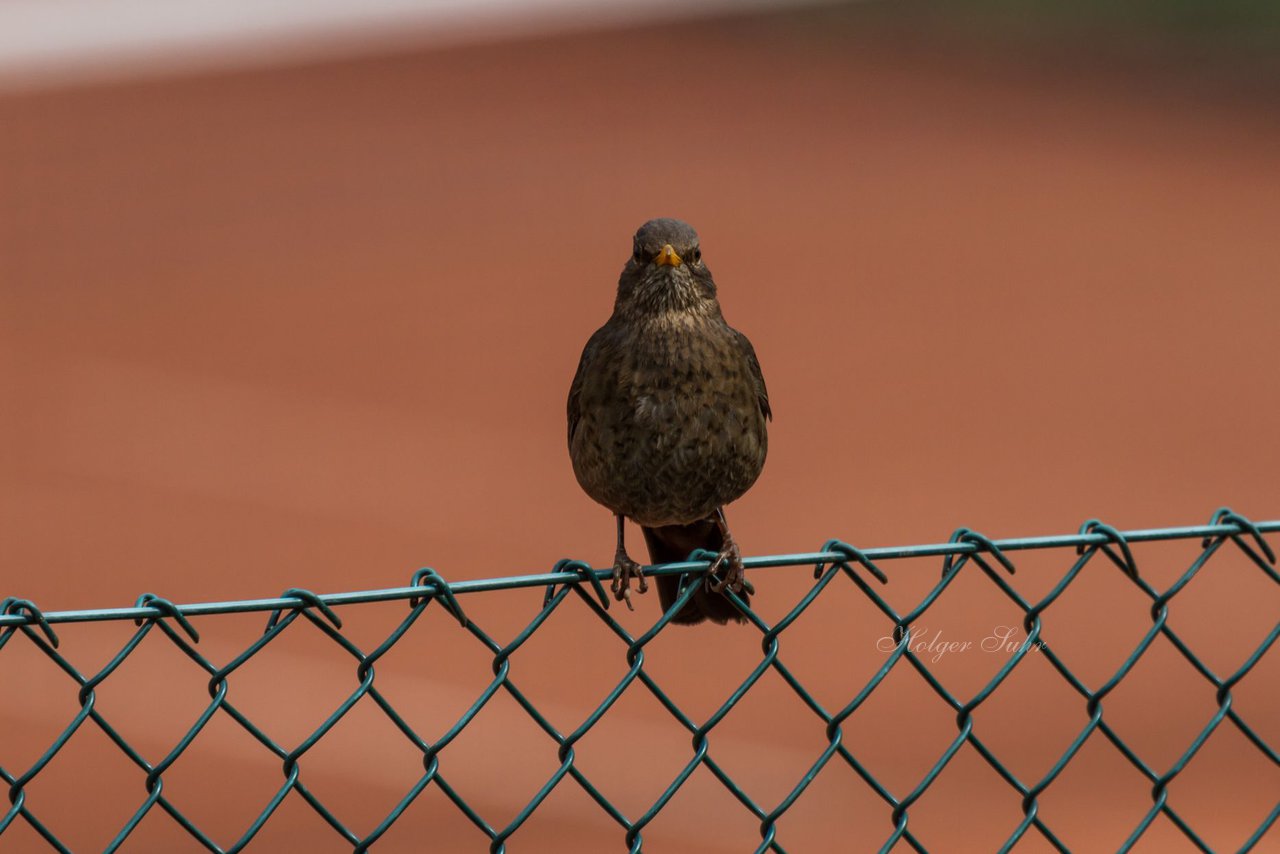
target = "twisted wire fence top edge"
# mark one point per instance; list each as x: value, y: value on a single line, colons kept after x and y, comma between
x: 431, y: 583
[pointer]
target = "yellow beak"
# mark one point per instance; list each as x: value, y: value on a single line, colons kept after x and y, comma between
x: 668, y: 257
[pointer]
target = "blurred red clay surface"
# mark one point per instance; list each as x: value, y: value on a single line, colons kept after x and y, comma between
x: 314, y: 327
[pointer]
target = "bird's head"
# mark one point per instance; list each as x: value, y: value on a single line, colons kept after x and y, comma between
x: 665, y: 271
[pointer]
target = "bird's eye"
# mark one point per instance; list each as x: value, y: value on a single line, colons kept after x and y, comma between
x: 638, y: 255
x: 697, y: 255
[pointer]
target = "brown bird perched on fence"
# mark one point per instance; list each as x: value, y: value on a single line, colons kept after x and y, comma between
x: 667, y: 419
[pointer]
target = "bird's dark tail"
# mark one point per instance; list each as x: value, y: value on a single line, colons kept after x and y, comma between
x: 672, y: 544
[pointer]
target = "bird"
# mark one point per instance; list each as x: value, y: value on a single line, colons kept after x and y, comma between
x: 668, y: 415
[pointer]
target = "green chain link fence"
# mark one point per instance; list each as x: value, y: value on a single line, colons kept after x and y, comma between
x: 836, y: 559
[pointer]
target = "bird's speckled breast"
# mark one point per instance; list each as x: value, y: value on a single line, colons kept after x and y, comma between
x: 671, y: 423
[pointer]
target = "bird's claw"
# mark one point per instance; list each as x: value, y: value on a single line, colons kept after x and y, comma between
x: 734, y: 577
x: 624, y: 568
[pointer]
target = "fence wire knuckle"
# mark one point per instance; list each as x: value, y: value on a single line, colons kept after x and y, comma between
x: 21, y: 618
x: 584, y: 573
x: 28, y: 609
x: 1114, y: 539
x: 306, y: 601
x: 428, y: 577
x: 167, y: 610
x: 849, y: 555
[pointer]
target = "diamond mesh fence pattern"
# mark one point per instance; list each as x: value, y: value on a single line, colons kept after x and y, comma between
x: 837, y: 563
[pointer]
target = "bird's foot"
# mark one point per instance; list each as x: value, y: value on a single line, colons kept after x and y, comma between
x: 624, y: 568
x: 734, y: 575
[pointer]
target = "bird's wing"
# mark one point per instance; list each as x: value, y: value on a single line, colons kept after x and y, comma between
x: 574, y: 405
x: 757, y: 376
